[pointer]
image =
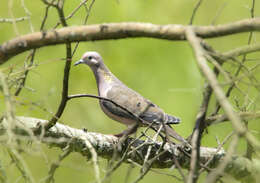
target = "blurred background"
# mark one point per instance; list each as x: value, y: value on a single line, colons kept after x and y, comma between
x: 163, y: 71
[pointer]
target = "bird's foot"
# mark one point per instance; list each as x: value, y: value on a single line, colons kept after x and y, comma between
x: 130, y: 130
x: 184, y: 146
x: 85, y: 130
x: 119, y: 135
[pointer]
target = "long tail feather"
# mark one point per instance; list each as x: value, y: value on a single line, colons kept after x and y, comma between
x: 172, y: 133
x: 172, y: 119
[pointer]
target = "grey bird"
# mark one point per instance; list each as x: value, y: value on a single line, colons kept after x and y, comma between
x: 124, y: 104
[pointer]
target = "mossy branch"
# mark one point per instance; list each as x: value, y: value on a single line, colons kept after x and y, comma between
x: 63, y: 136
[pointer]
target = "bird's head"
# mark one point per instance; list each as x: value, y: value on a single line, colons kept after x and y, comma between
x: 91, y: 58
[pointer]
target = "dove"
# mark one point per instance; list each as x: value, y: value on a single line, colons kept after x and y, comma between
x: 124, y: 104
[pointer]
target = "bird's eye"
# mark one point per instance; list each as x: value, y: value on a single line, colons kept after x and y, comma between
x: 90, y: 57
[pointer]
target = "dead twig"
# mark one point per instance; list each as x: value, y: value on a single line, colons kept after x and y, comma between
x: 238, y: 126
x: 10, y: 20
x: 195, y: 9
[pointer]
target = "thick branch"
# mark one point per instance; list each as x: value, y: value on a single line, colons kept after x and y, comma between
x: 61, y: 136
x: 119, y: 31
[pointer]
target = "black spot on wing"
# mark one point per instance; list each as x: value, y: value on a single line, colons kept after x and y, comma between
x: 151, y: 117
x: 157, y: 118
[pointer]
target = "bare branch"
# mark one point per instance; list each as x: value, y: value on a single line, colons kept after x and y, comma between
x: 8, y: 101
x: 21, y: 165
x: 220, y: 146
x: 119, y: 31
x: 56, y: 165
x: 238, y: 126
x: 218, y: 13
x: 69, y: 54
x: 28, y: 13
x: 195, y: 11
x: 241, y: 51
x: 94, y: 159
x: 212, y: 177
x: 3, y: 177
x: 7, y: 98
x: 11, y: 14
x: 26, y: 72
x: 66, y: 73
x: 200, y: 126
x: 223, y: 117
x: 31, y: 55
x: 193, y: 173
x: 10, y: 20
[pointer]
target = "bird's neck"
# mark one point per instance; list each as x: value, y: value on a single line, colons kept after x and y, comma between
x: 104, y: 78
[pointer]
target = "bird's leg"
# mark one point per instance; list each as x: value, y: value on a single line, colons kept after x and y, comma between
x: 130, y: 130
x: 123, y: 136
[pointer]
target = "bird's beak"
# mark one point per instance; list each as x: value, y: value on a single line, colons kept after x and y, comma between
x: 79, y: 62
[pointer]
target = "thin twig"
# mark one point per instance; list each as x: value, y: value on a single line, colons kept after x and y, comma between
x: 155, y: 170
x: 220, y: 146
x: 212, y: 177
x: 3, y: 177
x: 123, y: 158
x: 240, y: 51
x: 84, y: 23
x: 31, y: 56
x: 10, y: 11
x: 55, y: 165
x: 10, y: 20
x: 195, y: 9
x: 193, y: 173
x: 220, y: 118
x: 242, y: 62
x: 66, y: 73
x: 28, y: 13
x: 69, y: 56
x: 105, y: 99
x: 9, y: 107
x: 219, y: 11
x: 148, y: 167
x: 145, y: 165
x: 238, y: 126
x: 21, y: 165
x: 94, y: 160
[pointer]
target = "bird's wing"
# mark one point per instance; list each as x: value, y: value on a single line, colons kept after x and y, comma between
x: 133, y: 103
x: 117, y: 112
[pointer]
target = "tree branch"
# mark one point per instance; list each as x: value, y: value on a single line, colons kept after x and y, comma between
x: 119, y: 31
x: 235, y: 120
x: 66, y: 72
x: 11, y: 20
x: 242, y: 50
x: 223, y: 117
x: 63, y: 136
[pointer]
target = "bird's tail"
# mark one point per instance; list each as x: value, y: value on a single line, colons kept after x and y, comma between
x: 172, y: 119
x: 172, y: 133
